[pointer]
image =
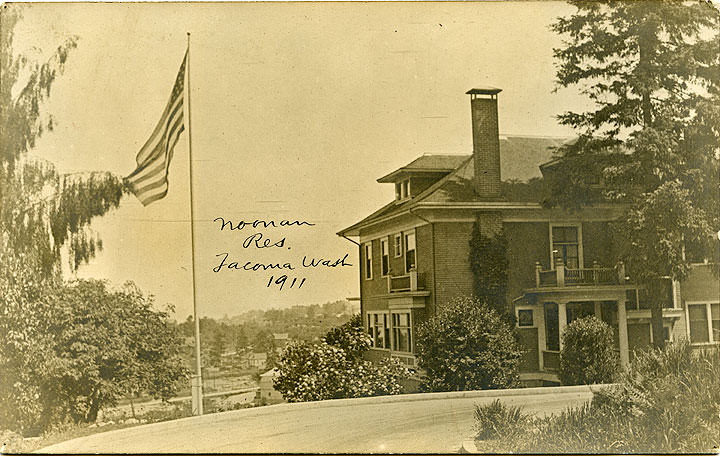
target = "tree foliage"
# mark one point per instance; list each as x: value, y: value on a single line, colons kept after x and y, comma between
x: 467, y: 346
x: 80, y: 347
x: 588, y: 356
x: 489, y: 265
x: 314, y: 372
x: 42, y: 211
x: 651, y: 141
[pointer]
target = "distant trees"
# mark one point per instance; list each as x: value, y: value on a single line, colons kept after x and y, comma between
x: 588, y: 355
x: 80, y: 347
x: 467, y: 346
x: 311, y: 372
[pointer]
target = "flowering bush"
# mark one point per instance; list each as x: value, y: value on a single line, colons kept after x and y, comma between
x: 314, y: 372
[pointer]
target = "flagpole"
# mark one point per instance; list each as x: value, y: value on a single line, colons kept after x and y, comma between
x: 197, y: 390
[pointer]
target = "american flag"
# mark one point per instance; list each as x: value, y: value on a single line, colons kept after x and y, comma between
x: 149, y: 181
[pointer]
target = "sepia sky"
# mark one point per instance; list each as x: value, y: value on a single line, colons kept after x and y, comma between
x: 297, y: 108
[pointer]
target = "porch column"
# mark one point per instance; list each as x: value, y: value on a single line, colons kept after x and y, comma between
x: 623, y: 334
x: 598, y: 310
x: 562, y: 320
x: 542, y: 344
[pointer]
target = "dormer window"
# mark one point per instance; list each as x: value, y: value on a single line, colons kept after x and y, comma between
x: 402, y: 189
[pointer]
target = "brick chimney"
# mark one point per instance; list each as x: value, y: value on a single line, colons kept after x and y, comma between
x: 486, y: 141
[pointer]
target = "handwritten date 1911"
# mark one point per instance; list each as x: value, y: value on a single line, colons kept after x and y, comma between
x: 282, y: 280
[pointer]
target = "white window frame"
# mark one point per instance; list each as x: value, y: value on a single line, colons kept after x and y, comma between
x: 577, y: 225
x: 394, y: 343
x: 367, y: 264
x: 398, y: 245
x: 405, y: 249
x: 708, y: 315
x: 387, y: 328
x: 517, y: 316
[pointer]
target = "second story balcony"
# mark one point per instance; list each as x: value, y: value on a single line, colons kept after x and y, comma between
x: 412, y: 281
x: 563, y: 276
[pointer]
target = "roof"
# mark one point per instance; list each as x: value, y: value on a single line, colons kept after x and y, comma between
x: 520, y: 158
x: 427, y: 164
x: 484, y: 91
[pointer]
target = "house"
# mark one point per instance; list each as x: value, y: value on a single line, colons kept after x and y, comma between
x: 414, y: 254
x: 256, y: 360
x: 267, y: 394
x: 281, y: 340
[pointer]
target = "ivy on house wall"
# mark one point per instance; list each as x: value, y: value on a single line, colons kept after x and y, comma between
x: 489, y: 265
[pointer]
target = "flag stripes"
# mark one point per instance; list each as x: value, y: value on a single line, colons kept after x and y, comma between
x: 149, y: 182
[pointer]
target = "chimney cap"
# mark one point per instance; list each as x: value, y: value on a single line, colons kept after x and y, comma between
x: 484, y: 91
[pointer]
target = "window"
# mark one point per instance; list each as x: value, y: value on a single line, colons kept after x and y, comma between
x: 398, y: 245
x: 704, y: 322
x: 402, y: 189
x: 378, y: 329
x: 368, y: 260
x: 525, y: 317
x: 638, y: 299
x: 402, y: 335
x: 577, y: 310
x: 385, y: 250
x: 566, y: 246
x: 409, y: 251
x: 552, y: 328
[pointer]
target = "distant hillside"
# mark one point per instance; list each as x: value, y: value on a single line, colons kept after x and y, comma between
x: 253, y: 330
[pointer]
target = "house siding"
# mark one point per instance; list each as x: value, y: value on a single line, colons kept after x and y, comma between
x: 701, y: 285
x: 453, y: 276
x: 527, y: 243
x: 425, y: 261
x: 598, y: 245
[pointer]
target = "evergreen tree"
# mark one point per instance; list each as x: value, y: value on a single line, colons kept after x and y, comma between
x: 652, y: 70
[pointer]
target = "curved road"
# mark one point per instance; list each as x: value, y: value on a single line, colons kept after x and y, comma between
x: 417, y: 423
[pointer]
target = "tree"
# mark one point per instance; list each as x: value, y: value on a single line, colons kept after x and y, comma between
x: 314, y: 372
x: 489, y: 264
x: 217, y: 348
x: 93, y: 346
x: 652, y: 70
x: 42, y: 211
x: 588, y: 356
x: 240, y: 340
x: 467, y: 346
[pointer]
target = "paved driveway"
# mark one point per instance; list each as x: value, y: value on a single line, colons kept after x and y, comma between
x: 418, y: 423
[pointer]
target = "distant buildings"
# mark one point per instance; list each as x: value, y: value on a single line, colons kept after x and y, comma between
x: 267, y: 393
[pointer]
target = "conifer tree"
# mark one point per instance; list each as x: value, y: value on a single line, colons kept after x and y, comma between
x: 652, y: 139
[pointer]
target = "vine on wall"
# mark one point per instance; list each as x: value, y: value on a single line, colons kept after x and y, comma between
x: 489, y: 265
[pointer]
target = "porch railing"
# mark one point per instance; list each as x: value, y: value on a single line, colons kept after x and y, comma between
x: 412, y: 281
x: 562, y: 276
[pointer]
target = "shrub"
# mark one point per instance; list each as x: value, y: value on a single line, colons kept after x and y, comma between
x: 467, y: 346
x: 667, y: 402
x: 335, y: 368
x: 588, y: 355
x: 350, y: 337
x: 495, y: 419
